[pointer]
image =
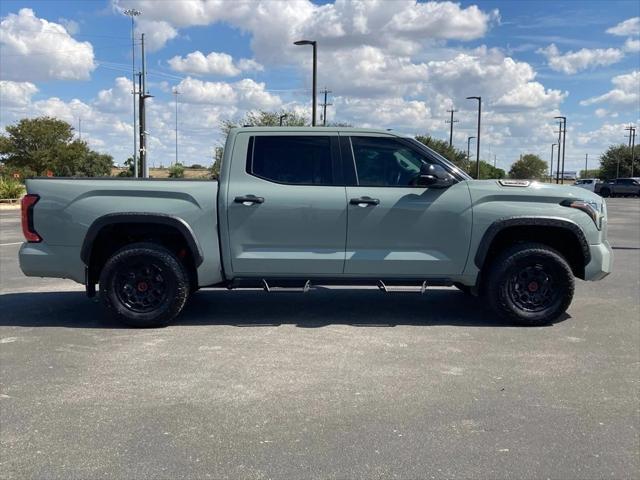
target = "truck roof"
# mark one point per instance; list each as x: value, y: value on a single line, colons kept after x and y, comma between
x: 285, y: 129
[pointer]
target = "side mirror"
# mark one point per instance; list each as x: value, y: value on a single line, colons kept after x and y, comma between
x: 434, y: 176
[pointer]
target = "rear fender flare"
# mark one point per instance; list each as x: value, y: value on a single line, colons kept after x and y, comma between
x: 137, y: 217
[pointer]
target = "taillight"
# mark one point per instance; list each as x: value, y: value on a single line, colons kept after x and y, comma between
x: 28, y: 201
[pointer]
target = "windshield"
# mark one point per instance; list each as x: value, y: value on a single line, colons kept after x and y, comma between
x: 449, y: 165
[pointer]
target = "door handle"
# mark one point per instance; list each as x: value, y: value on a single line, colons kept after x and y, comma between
x: 364, y: 201
x: 248, y: 199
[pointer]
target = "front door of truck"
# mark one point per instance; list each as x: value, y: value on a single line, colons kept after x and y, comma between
x: 396, y: 229
x: 286, y: 207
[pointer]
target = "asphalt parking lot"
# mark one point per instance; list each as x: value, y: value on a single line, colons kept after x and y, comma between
x: 330, y: 384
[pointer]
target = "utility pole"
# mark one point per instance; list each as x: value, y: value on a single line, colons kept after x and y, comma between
x: 452, y: 121
x: 478, y: 139
x: 553, y: 145
x: 586, y: 164
x: 142, y: 97
x: 562, y: 133
x: 324, y: 106
x: 175, y: 94
x: 132, y: 12
x: 80, y: 128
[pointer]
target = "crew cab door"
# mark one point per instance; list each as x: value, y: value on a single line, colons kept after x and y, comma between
x: 396, y: 229
x: 286, y: 205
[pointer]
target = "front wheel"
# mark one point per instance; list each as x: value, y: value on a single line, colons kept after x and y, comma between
x: 144, y: 285
x: 530, y: 284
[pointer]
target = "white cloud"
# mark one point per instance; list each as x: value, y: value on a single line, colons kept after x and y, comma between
x: 530, y: 95
x: 34, y: 49
x: 631, y: 45
x: 343, y: 24
x: 214, y: 63
x: 244, y: 94
x: 625, y: 93
x: 628, y: 27
x: 118, y: 98
x: 14, y: 94
x: 156, y: 33
x: 573, y: 62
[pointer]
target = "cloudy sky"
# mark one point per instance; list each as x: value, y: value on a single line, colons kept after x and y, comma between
x: 389, y: 63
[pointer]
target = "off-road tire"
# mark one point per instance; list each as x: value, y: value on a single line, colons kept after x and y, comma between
x: 544, y: 273
x: 165, y: 277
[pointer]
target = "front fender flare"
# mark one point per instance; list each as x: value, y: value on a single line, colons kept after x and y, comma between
x: 499, y: 225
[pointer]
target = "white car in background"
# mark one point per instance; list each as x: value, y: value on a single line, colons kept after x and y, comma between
x: 587, y: 183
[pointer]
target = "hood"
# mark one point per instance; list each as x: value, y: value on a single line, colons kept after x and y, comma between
x: 526, y: 188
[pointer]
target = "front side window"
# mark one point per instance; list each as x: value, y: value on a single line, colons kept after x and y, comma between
x: 295, y: 160
x: 386, y: 162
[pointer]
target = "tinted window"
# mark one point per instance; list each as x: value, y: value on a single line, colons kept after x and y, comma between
x: 386, y: 162
x: 296, y: 160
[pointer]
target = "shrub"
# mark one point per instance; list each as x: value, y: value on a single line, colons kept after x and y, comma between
x: 10, y: 188
x: 176, y: 171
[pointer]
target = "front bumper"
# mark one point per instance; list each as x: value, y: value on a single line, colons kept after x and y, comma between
x: 601, y: 261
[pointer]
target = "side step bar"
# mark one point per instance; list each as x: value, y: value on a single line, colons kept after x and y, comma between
x: 302, y: 285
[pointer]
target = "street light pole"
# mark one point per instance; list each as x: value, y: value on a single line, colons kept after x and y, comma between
x: 132, y: 12
x: 553, y: 145
x: 468, y: 152
x: 633, y: 146
x: 478, y: 134
x: 586, y: 164
x: 282, y: 117
x: 314, y: 44
x: 176, y: 93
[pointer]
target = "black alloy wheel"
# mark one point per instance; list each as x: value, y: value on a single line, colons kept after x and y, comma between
x: 144, y: 285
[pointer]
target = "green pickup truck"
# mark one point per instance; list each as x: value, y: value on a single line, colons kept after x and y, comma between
x: 299, y: 207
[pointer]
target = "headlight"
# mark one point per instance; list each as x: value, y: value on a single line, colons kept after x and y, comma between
x: 593, y: 209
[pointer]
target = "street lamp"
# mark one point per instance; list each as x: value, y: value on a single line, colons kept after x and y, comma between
x: 132, y: 12
x: 553, y: 145
x: 468, y: 153
x: 282, y: 117
x: 314, y: 44
x: 478, y: 139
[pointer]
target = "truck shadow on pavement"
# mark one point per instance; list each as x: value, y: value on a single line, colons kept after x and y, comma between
x: 318, y: 308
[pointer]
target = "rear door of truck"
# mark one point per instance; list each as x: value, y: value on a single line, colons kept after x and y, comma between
x: 286, y: 204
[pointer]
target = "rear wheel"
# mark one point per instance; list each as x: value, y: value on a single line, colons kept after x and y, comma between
x: 144, y: 285
x: 530, y: 284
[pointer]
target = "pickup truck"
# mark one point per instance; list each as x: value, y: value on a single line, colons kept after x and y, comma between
x: 619, y: 187
x: 299, y: 207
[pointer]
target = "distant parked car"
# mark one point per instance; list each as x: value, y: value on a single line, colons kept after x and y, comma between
x: 620, y: 187
x: 587, y: 183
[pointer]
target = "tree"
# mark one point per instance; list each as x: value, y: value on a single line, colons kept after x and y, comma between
x: 455, y: 156
x: 214, y: 170
x: 487, y: 171
x: 614, y: 156
x: 591, y: 173
x: 529, y: 167
x: 262, y: 118
x: 46, y: 144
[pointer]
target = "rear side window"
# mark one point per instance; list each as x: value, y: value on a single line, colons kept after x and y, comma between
x: 294, y: 160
